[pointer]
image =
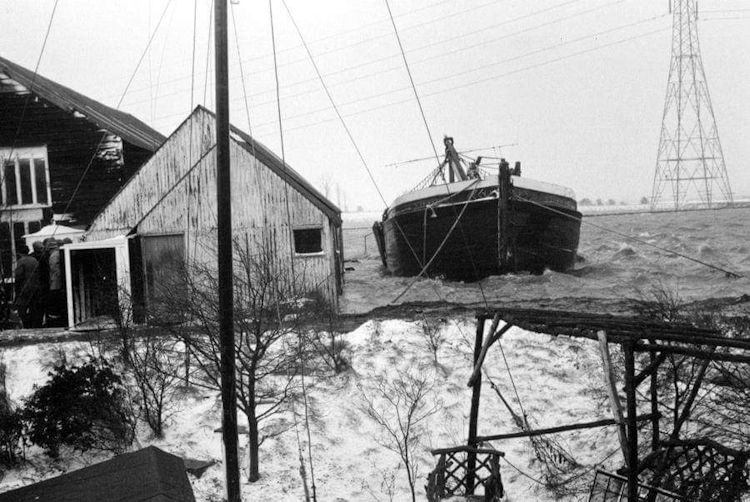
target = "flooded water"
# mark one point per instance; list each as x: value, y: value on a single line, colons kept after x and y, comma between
x: 612, y: 267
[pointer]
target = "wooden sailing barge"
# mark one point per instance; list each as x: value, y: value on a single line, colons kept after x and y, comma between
x: 476, y: 224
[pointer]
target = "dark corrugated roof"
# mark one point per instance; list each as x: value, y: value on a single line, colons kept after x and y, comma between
x: 126, y: 126
x: 149, y: 474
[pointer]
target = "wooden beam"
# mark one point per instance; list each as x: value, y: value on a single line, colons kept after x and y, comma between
x: 614, y: 399
x: 654, y: 396
x: 474, y: 412
x: 484, y: 346
x: 613, y: 324
x: 687, y: 406
x: 561, y: 428
x: 632, y: 425
x: 457, y: 449
x: 653, y: 365
x: 726, y: 450
x: 494, y: 336
x: 697, y: 353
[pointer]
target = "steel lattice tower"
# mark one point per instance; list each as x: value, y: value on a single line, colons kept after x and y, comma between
x: 690, y: 161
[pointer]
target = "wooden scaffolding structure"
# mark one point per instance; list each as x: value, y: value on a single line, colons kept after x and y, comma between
x: 677, y: 466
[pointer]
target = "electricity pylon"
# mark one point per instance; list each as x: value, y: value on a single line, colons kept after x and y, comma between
x: 690, y: 161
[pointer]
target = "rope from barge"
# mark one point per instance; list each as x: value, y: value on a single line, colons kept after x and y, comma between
x: 442, y: 244
x: 729, y: 273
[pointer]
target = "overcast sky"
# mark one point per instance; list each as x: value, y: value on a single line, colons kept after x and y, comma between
x: 575, y: 88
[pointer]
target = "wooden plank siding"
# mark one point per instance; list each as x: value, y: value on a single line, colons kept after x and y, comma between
x: 169, y: 196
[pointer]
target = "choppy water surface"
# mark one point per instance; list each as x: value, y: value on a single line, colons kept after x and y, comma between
x: 612, y: 267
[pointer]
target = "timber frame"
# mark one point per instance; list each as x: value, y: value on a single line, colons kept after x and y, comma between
x: 633, y: 335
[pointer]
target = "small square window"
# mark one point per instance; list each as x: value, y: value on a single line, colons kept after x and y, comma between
x: 308, y: 241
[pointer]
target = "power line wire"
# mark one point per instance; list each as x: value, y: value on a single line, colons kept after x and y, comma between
x: 334, y: 106
x: 33, y: 80
x: 411, y: 80
x: 440, y: 41
x: 348, y: 132
x: 541, y: 50
x: 359, y: 41
x: 208, y: 52
x: 18, y: 133
x: 357, y: 30
x: 483, y: 67
x: 281, y: 131
x: 635, y: 239
x: 130, y: 81
x: 461, y: 74
x: 470, y: 83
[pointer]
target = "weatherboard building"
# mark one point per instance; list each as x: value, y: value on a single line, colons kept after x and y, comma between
x: 168, y: 210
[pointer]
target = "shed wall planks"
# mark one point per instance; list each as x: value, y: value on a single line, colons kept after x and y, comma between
x: 175, y: 192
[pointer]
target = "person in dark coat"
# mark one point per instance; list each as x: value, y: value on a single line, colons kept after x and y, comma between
x: 27, y: 286
x: 40, y: 254
x: 55, y: 303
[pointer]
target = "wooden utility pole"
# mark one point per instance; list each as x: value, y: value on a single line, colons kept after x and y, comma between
x: 224, y: 238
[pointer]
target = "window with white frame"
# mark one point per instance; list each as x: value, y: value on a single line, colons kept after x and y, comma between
x: 25, y: 176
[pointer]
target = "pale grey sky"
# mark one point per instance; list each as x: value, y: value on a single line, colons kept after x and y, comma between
x: 577, y: 86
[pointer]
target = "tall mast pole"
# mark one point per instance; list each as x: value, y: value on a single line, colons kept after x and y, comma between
x: 224, y: 237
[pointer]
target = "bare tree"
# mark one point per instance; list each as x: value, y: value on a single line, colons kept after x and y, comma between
x: 326, y: 340
x: 155, y: 365
x: 152, y: 361
x: 269, y: 305
x: 399, y: 408
x: 660, y: 302
x: 433, y: 336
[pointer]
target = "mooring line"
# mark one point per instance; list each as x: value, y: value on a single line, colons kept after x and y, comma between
x: 636, y: 239
x: 445, y: 239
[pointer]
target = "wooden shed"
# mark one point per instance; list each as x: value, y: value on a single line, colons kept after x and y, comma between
x: 169, y: 207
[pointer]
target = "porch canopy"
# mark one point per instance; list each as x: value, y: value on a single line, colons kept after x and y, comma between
x: 57, y: 231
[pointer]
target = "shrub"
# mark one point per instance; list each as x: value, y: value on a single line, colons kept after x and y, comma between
x: 84, y: 407
x: 11, y: 426
x: 11, y: 435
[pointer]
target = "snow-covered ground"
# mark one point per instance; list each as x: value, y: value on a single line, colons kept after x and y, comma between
x: 558, y: 381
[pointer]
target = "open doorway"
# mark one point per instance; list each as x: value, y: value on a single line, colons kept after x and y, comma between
x: 94, y: 273
x: 97, y: 282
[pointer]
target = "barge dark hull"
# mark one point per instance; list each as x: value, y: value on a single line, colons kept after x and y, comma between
x: 540, y: 236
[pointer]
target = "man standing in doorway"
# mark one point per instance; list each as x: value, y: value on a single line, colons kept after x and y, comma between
x: 27, y: 286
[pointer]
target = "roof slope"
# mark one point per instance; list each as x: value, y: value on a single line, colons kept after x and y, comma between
x: 148, y: 474
x: 150, y: 195
x: 126, y: 126
x: 270, y: 159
